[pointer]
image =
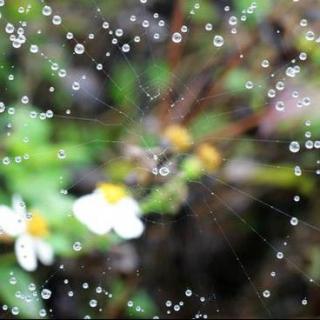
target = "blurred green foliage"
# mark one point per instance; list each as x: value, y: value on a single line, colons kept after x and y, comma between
x: 90, y: 133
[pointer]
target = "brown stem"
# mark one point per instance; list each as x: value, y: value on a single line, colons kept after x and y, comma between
x: 174, y: 54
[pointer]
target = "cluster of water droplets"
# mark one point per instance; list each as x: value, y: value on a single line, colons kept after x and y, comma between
x: 17, y: 36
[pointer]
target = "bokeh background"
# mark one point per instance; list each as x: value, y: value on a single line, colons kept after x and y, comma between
x: 215, y: 233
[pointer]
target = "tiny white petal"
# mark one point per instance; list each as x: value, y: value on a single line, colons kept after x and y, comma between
x: 18, y: 205
x: 44, y: 252
x: 25, y: 252
x: 93, y: 211
x: 11, y: 222
x: 128, y: 227
x: 125, y: 219
x: 129, y: 204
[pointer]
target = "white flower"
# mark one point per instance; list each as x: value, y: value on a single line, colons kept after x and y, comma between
x: 108, y: 207
x: 29, y: 245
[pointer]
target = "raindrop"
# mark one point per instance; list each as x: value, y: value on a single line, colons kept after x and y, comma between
x: 56, y: 20
x: 294, y: 146
x: 249, y: 85
x: 77, y: 246
x: 61, y: 154
x: 15, y: 311
x: 218, y: 41
x: 93, y: 303
x: 265, y: 63
x: 266, y: 293
x: 164, y: 171
x: 208, y: 27
x: 279, y: 255
x: 280, y: 106
x: 79, y: 48
x: 46, y: 294
x: 46, y: 11
x: 294, y: 221
x: 168, y: 303
x: 188, y: 293
x: 176, y: 37
x: 126, y: 47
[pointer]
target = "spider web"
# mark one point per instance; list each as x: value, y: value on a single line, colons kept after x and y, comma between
x: 212, y: 210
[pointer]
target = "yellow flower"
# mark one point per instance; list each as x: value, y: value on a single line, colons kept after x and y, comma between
x: 209, y: 156
x: 112, y: 192
x: 37, y: 226
x: 179, y: 137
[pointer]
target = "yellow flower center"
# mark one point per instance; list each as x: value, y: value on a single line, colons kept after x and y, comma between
x: 209, y: 156
x: 112, y: 192
x: 178, y: 136
x: 37, y: 225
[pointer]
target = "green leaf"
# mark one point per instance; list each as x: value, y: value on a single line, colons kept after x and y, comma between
x: 263, y: 8
x: 159, y: 75
x: 206, y: 12
x: 207, y: 123
x: 236, y: 79
x: 8, y: 291
x: 119, y: 170
x: 284, y: 178
x: 35, y: 130
x: 144, y: 301
x: 314, y: 269
x: 124, y: 91
x: 12, y: 13
x: 166, y: 198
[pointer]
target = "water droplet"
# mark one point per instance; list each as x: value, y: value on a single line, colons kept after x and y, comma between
x: 176, y: 307
x: 77, y: 246
x: 42, y: 313
x: 280, y: 106
x: 218, y: 41
x: 15, y: 311
x: 46, y: 11
x: 176, y: 37
x: 13, y: 280
x: 249, y: 85
x: 46, y: 294
x: 294, y: 146
x: 168, y: 303
x: 85, y: 285
x: 266, y: 293
x: 79, y: 48
x: 188, y: 293
x: 164, y: 171
x: 9, y: 28
x: 61, y: 154
x: 56, y: 20
x: 93, y: 303
x: 125, y: 47
x: 208, y: 27
x: 294, y: 221
x: 280, y: 255
x: 34, y: 48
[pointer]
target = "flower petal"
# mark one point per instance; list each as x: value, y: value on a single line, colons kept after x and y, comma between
x: 126, y: 222
x: 18, y: 205
x: 129, y: 204
x: 11, y: 222
x: 93, y: 211
x: 25, y: 252
x: 44, y: 252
